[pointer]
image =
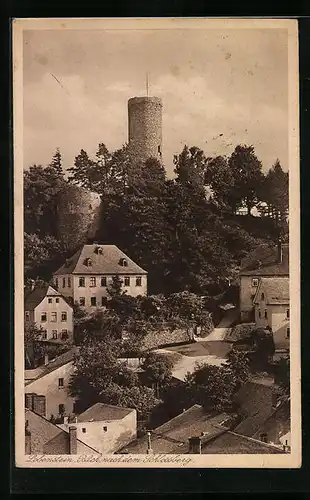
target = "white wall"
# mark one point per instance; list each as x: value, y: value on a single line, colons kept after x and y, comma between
x: 118, y: 434
x: 276, y: 319
x: 55, y: 395
x: 98, y: 291
x: 58, y: 325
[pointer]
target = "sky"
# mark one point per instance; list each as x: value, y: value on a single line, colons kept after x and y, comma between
x: 219, y: 89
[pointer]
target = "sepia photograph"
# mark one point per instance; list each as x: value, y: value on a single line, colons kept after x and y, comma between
x: 156, y: 228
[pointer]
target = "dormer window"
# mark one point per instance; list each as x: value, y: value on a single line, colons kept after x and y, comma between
x: 88, y: 262
x: 123, y: 262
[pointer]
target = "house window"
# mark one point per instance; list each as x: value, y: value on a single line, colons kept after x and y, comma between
x: 60, y: 382
x: 63, y: 282
x: 254, y: 281
x: 93, y: 301
x: 54, y: 334
x: 259, y: 313
x: 104, y: 281
x: 105, y: 428
x: 263, y: 296
x: 43, y: 317
x: 69, y: 282
x: 92, y: 281
x: 138, y: 281
x: 127, y: 281
x: 104, y: 301
x: 63, y: 316
x: 82, y: 281
x: 61, y: 409
x: 27, y: 316
x: 54, y: 317
x: 84, y: 429
x: 50, y: 301
x: 82, y: 301
x: 57, y: 301
x: 44, y: 334
x: 56, y: 282
x: 266, y: 315
x: 287, y: 313
x: 64, y: 334
x: 287, y: 333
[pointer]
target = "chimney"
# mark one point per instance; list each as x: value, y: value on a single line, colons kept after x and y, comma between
x: 72, y: 441
x: 195, y: 445
x: 280, y: 251
x: 27, y: 439
x: 149, y: 450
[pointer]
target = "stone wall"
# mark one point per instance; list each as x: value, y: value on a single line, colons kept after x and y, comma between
x: 166, y: 336
x: 145, y: 128
x: 78, y: 213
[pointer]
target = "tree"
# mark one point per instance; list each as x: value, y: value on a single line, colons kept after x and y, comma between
x: 56, y: 162
x: 41, y: 188
x: 239, y: 363
x: 115, y: 288
x: 81, y: 172
x: 140, y: 398
x: 247, y: 173
x: 275, y: 194
x: 219, y: 176
x: 212, y: 386
x: 158, y: 369
x: 190, y: 166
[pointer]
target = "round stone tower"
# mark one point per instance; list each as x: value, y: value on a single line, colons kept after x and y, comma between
x: 145, y: 128
x: 78, y: 211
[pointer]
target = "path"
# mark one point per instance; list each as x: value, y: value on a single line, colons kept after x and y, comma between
x: 186, y: 364
x: 222, y: 329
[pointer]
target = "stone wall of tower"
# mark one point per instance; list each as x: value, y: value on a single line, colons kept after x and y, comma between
x: 145, y: 128
x: 78, y: 213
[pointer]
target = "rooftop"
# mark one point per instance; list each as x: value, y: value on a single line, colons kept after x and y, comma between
x: 276, y: 290
x: 263, y: 261
x: 35, y: 297
x: 99, y: 259
x: 100, y: 412
x: 59, y: 361
x: 233, y: 443
x: 43, y: 431
x: 172, y: 436
x: 255, y: 400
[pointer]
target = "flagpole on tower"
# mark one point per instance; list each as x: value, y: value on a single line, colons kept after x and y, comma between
x: 147, y: 84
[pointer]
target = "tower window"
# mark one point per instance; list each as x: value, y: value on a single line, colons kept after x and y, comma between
x: 266, y: 316
x: 159, y: 150
x: 287, y: 313
x: 287, y: 333
x: 263, y: 296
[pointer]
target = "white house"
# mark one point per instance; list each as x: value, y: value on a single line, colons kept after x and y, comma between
x: 105, y: 428
x: 47, y: 389
x: 272, y: 308
x: 264, y: 262
x: 85, y: 277
x: 51, y: 312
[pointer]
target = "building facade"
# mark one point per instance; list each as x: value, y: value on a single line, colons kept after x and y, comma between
x: 272, y: 309
x: 51, y: 313
x: 48, y: 394
x: 86, y: 277
x: 105, y: 428
x: 268, y: 262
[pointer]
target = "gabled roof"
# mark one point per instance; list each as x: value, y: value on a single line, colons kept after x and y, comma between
x: 107, y: 262
x: 61, y: 360
x: 43, y: 431
x: 35, y: 297
x: 275, y: 289
x: 263, y: 261
x: 255, y: 402
x: 233, y: 443
x: 102, y: 412
x: 173, y: 436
